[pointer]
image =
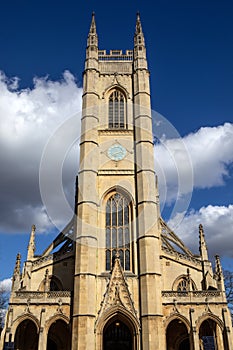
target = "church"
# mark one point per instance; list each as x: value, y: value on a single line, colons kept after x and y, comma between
x: 117, y: 277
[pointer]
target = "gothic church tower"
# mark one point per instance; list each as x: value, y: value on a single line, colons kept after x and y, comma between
x: 117, y: 277
x: 117, y: 208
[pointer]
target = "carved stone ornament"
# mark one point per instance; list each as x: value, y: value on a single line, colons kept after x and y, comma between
x: 117, y: 292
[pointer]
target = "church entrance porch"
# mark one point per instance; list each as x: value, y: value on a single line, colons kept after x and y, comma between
x: 177, y: 336
x: 58, y: 336
x: 117, y: 336
x: 26, y: 336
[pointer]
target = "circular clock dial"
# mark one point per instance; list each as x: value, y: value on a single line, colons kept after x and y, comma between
x: 116, y: 152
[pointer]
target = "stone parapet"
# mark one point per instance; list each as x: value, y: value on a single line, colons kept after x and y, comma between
x: 194, y: 296
x: 38, y: 297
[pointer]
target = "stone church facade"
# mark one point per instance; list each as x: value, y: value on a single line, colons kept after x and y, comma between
x: 117, y: 277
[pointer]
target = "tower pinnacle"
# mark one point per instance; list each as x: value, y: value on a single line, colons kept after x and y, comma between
x: 31, y: 244
x: 140, y: 61
x: 202, y: 244
x: 16, y: 274
x: 92, y: 36
x: 138, y: 25
x: 219, y: 273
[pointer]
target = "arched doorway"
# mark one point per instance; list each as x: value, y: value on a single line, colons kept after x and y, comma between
x: 26, y: 336
x: 58, y: 336
x: 117, y: 336
x: 177, y: 336
x: 207, y: 335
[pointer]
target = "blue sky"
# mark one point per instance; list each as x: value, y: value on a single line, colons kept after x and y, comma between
x: 190, y: 55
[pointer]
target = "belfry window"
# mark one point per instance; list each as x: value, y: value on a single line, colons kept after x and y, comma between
x: 118, y: 231
x: 117, y: 110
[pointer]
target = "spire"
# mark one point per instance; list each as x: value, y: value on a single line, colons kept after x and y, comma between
x: 31, y: 244
x: 16, y: 274
x: 202, y: 244
x: 139, y: 36
x: 140, y: 61
x: 92, y: 46
x: 92, y: 36
x: 138, y: 25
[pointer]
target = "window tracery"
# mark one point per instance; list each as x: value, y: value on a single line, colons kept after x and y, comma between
x: 185, y: 285
x: 117, y: 110
x: 118, y: 231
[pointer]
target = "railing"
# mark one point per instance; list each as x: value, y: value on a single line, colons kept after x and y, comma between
x: 200, y: 296
x: 115, y: 55
x: 194, y: 293
x: 42, y: 295
x: 51, y: 257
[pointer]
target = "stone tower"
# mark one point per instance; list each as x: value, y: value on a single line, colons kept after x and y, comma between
x: 121, y: 279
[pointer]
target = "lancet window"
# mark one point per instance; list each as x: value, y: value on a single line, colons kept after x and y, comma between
x: 117, y: 110
x: 118, y: 231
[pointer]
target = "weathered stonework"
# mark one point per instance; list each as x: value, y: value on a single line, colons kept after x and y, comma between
x: 121, y: 278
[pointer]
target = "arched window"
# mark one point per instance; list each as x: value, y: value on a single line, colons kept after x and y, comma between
x: 185, y: 285
x: 117, y: 110
x: 53, y: 285
x: 118, y: 231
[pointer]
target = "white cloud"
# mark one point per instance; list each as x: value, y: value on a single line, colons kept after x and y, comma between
x: 210, y: 152
x: 218, y: 227
x: 5, y: 285
x: 27, y: 119
x: 30, y: 117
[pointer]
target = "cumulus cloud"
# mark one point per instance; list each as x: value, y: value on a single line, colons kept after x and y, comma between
x: 31, y: 118
x: 203, y: 156
x: 218, y: 226
x: 28, y: 118
x: 5, y: 285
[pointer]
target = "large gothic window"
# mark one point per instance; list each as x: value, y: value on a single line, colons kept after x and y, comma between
x: 118, y: 231
x: 117, y: 110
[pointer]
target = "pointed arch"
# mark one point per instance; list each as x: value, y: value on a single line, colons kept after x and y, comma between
x: 118, y: 228
x: 209, y: 315
x: 115, y: 86
x: 183, y: 283
x: 26, y: 334
x: 55, y: 318
x: 58, y: 333
x: 210, y: 332
x: 179, y: 317
x: 117, y: 109
x: 26, y: 316
x: 177, y: 333
x: 114, y: 189
x: 54, y: 284
x: 121, y: 315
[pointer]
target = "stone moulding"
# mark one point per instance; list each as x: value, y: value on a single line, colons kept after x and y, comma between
x: 42, y: 295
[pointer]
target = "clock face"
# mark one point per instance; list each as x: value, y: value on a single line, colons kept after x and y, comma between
x: 116, y: 152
